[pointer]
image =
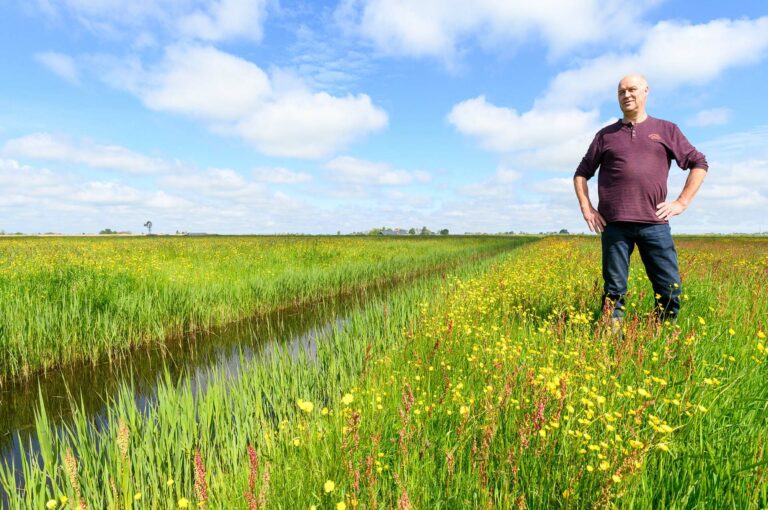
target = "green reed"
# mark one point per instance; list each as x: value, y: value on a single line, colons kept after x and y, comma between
x: 68, y: 299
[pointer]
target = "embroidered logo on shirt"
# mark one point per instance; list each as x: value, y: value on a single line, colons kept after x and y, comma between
x: 655, y: 137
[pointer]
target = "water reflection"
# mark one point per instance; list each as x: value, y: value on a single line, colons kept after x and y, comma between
x: 193, y: 356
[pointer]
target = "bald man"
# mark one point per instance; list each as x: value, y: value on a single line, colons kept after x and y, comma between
x: 634, y: 156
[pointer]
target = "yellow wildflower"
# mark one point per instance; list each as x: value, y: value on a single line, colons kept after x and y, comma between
x: 347, y: 399
x: 341, y: 506
x: 183, y: 503
x: 329, y: 486
x: 51, y: 504
x: 305, y: 406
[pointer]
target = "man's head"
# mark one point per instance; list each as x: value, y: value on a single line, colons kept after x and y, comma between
x: 633, y: 91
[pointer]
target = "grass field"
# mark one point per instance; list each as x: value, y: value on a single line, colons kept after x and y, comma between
x: 497, y: 387
x: 67, y: 299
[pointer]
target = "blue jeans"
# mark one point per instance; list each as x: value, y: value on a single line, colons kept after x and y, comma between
x: 657, y: 250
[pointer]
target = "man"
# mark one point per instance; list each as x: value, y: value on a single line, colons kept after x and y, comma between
x: 634, y: 156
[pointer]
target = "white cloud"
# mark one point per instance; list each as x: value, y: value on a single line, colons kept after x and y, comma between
x: 311, y: 125
x: 205, y: 82
x: 231, y: 85
x: 15, y: 176
x: 712, y: 117
x: 161, y: 200
x: 543, y: 139
x: 61, y: 65
x: 673, y: 54
x: 217, y: 200
x: 215, y: 182
x: 357, y: 171
x: 226, y: 19
x: 501, y: 184
x: 502, y: 129
x: 555, y: 133
x: 280, y: 176
x: 45, y: 146
x: 408, y: 200
x: 216, y: 20
x: 559, y: 185
x: 106, y: 193
x: 277, y: 115
x: 439, y: 28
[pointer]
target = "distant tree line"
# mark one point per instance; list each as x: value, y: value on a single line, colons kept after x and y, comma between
x: 387, y: 231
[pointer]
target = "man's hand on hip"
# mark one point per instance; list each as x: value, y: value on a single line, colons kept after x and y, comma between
x: 666, y: 210
x: 594, y: 219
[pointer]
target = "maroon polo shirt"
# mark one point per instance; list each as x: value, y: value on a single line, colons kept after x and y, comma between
x: 634, y: 163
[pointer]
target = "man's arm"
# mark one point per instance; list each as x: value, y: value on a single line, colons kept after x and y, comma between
x: 666, y: 210
x: 594, y: 219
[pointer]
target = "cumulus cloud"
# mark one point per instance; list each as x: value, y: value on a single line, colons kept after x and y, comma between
x: 37, y: 199
x: 104, y: 192
x: 34, y: 199
x: 61, y: 65
x: 277, y: 114
x: 357, y: 171
x: 542, y: 139
x: 49, y: 147
x: 231, y: 87
x: 226, y: 19
x: 503, y: 129
x: 673, y: 54
x: 712, y: 117
x: 215, y: 182
x: 439, y: 28
x: 555, y: 132
x: 311, y: 125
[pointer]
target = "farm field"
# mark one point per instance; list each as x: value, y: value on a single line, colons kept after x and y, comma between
x: 68, y: 299
x: 498, y: 386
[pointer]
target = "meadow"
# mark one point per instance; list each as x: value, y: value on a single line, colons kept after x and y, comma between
x: 72, y: 299
x: 499, y: 385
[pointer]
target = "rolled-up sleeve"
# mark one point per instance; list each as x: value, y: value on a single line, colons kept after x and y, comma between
x: 685, y: 154
x: 591, y: 159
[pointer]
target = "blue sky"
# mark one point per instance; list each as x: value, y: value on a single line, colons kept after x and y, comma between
x: 259, y: 116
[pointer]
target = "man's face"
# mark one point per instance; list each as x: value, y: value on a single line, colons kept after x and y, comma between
x: 633, y: 91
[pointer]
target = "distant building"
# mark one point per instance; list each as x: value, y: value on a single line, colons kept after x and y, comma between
x: 394, y: 232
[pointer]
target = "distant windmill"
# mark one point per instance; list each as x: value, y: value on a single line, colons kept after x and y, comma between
x: 148, y: 224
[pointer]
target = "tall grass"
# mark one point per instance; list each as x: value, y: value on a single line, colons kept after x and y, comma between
x: 501, y: 386
x: 66, y: 299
